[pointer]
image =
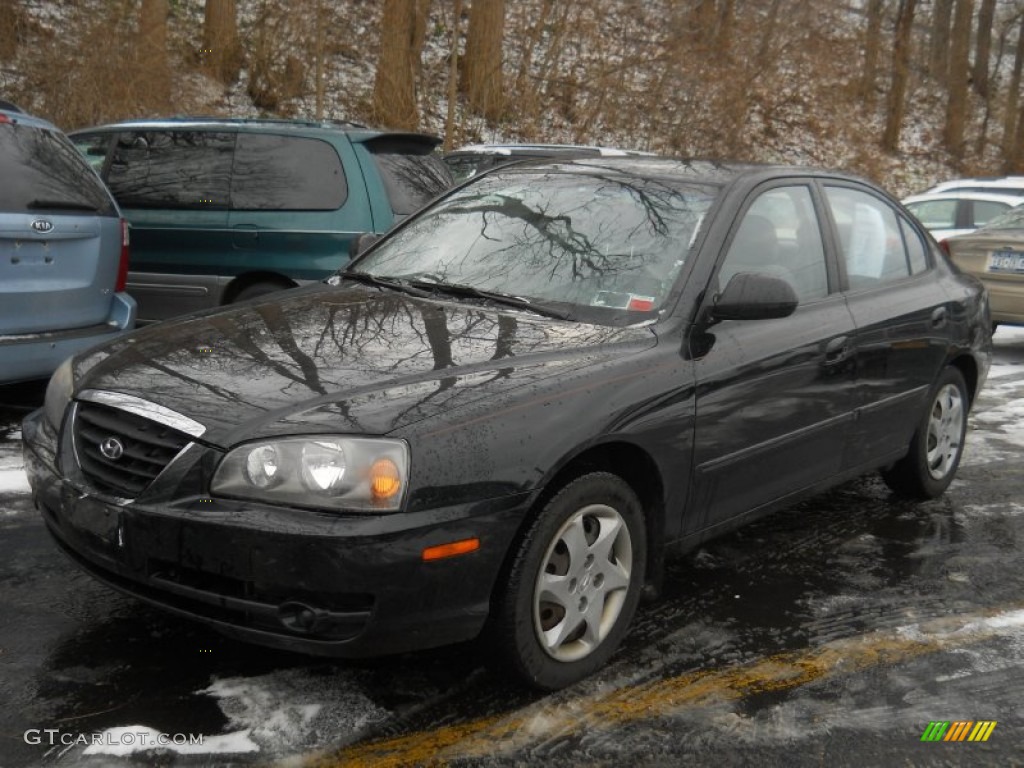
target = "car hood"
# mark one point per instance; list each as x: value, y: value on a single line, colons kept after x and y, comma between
x: 328, y: 359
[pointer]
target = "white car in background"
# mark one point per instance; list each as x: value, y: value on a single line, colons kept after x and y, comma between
x: 997, y: 185
x: 957, y: 212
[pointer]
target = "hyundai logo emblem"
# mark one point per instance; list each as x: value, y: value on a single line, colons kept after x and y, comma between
x: 112, y: 448
x: 42, y: 226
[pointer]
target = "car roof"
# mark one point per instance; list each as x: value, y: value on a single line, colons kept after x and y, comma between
x: 23, y: 118
x: 355, y: 131
x: 994, y: 182
x: 718, y: 172
x: 544, y: 149
x: 957, y: 194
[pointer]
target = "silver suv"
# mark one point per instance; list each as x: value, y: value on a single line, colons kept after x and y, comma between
x: 63, y: 251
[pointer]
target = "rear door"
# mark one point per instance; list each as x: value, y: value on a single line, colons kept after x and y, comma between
x: 901, y: 313
x: 294, y: 208
x: 775, y: 397
x: 60, y: 234
x: 174, y: 186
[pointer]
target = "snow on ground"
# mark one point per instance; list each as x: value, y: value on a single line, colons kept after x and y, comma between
x: 12, y: 469
x: 1008, y: 339
x: 274, y: 714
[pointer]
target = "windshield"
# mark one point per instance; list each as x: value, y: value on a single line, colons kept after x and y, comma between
x: 1011, y: 219
x: 599, y: 244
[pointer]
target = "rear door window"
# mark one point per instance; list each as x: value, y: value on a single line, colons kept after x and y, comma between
x: 413, y: 175
x: 172, y: 169
x: 286, y: 173
x: 870, y: 237
x: 42, y: 171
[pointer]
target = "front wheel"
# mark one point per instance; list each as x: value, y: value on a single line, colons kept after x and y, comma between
x: 574, y: 583
x: 931, y: 463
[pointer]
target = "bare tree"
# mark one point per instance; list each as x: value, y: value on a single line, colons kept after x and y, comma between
x: 483, y: 62
x: 956, y: 106
x: 453, y: 78
x: 1011, y: 143
x: 938, y: 51
x: 11, y: 22
x: 221, y: 49
x: 983, y: 46
x: 152, y: 49
x: 872, y: 36
x: 403, y: 29
x: 896, y: 103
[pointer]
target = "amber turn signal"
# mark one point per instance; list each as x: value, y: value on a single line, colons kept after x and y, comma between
x: 450, y: 550
x: 385, y: 479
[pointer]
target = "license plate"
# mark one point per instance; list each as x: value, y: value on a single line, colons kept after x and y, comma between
x: 1011, y: 262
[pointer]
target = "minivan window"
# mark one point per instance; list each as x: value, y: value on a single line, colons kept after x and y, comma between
x: 94, y: 146
x: 43, y: 171
x: 172, y: 169
x: 286, y: 173
x: 411, y: 179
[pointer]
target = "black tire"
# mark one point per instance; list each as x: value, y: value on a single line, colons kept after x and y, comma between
x: 258, y: 289
x: 938, y: 443
x: 601, y: 587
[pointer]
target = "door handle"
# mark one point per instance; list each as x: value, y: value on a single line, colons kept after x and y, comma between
x: 837, y: 350
x: 939, y: 317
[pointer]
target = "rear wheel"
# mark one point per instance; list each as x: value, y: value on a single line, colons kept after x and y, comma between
x: 574, y: 583
x: 931, y: 463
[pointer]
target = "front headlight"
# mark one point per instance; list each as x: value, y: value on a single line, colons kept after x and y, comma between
x: 323, y: 471
x: 58, y: 394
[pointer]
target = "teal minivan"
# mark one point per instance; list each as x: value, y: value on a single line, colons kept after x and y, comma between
x: 223, y: 210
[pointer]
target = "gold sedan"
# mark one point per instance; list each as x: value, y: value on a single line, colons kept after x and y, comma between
x: 995, y: 255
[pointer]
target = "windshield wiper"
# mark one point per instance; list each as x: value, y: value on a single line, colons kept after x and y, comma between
x: 392, y: 283
x: 71, y: 205
x: 457, y: 289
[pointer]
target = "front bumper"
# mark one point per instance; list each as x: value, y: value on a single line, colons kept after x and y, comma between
x: 37, y: 355
x: 300, y: 580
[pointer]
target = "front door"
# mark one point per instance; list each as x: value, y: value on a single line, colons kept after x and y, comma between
x: 775, y: 398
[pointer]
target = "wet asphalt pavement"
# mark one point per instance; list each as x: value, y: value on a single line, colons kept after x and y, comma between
x: 831, y: 633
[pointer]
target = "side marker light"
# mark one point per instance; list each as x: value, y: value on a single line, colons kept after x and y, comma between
x: 452, y: 549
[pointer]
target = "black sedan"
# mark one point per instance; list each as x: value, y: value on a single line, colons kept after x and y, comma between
x: 504, y: 413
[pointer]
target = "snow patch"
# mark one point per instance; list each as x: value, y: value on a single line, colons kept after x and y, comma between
x: 13, y: 480
x: 291, y: 709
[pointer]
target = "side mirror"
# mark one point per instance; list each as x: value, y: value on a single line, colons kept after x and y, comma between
x: 754, y: 296
x: 361, y: 243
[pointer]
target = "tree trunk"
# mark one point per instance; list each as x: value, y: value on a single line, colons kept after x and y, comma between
x: 453, y: 79
x: 403, y: 28
x: 318, y: 46
x: 1011, y: 145
x: 983, y: 46
x: 900, y: 74
x: 938, y: 51
x: 484, y: 87
x: 220, y: 40
x: 152, y: 54
x: 956, y: 106
x: 726, y: 20
x: 875, y: 11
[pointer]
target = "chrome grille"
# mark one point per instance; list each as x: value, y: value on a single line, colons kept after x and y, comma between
x: 145, y: 448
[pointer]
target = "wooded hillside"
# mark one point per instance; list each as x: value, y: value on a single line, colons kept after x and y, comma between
x: 907, y: 92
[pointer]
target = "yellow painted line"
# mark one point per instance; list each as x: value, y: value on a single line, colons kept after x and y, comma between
x: 566, y: 713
